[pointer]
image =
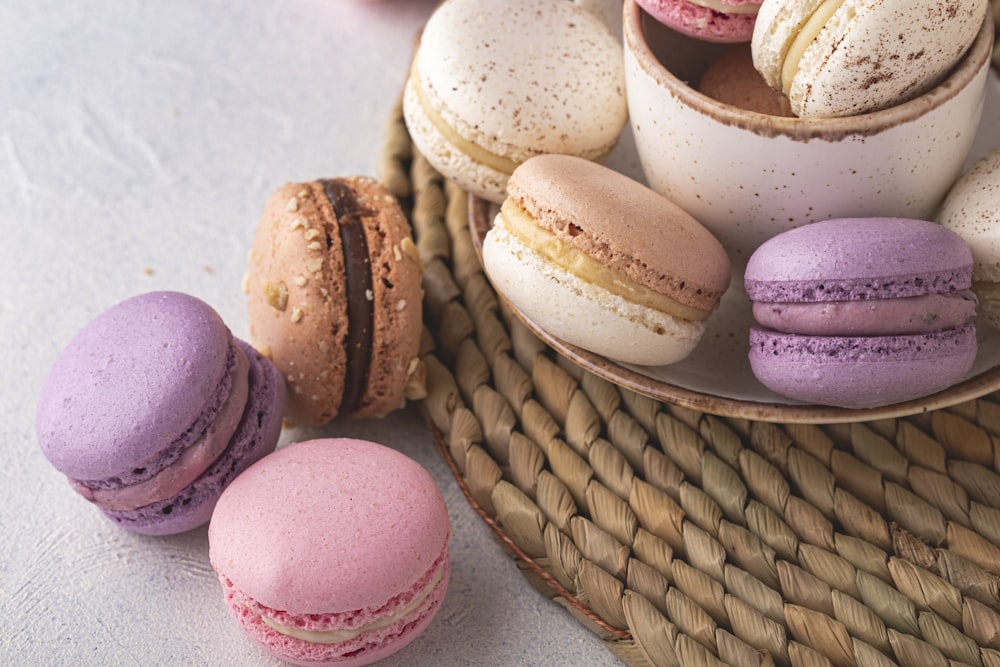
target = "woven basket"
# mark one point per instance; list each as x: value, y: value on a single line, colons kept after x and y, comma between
x: 683, y: 538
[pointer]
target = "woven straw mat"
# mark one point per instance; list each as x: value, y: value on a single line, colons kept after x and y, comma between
x: 683, y: 538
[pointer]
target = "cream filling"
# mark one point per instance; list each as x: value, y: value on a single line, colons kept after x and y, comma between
x: 474, y: 151
x: 337, y: 636
x: 584, y: 267
x: 192, y: 462
x: 807, y: 32
x: 723, y: 8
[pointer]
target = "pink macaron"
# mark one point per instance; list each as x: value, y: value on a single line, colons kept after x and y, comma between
x: 332, y: 551
x: 726, y: 21
x: 862, y: 312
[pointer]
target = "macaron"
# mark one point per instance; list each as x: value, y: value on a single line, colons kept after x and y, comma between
x: 335, y: 299
x: 845, y: 57
x: 971, y: 209
x: 154, y: 407
x: 862, y: 312
x: 489, y: 89
x: 733, y: 80
x: 332, y: 552
x: 707, y: 20
x: 603, y: 262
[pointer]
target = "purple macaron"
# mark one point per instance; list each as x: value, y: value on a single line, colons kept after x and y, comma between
x: 862, y: 312
x: 154, y: 408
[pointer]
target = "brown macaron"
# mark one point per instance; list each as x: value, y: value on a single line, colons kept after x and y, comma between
x: 335, y: 299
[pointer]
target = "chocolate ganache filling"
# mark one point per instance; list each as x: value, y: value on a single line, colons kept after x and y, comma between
x: 360, y: 295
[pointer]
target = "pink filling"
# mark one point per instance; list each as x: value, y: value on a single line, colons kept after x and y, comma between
x: 192, y: 462
x: 874, y: 317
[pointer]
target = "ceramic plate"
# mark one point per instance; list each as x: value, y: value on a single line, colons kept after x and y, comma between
x: 717, y: 378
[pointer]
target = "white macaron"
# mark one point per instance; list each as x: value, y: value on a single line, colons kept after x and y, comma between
x: 972, y: 210
x: 847, y: 57
x: 493, y: 84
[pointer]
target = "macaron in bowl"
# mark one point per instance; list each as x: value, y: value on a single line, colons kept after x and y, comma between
x: 835, y: 58
x: 709, y: 20
x: 332, y: 551
x: 602, y: 262
x: 154, y: 407
x: 862, y: 312
x: 490, y: 88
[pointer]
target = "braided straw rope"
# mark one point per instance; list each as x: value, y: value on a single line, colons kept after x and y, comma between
x: 683, y: 538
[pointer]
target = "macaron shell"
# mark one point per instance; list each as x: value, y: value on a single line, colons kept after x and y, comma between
x: 256, y: 436
x: 863, y: 372
x: 701, y: 22
x: 329, y: 526
x: 972, y: 210
x: 136, y: 385
x: 581, y: 313
x: 624, y: 225
x: 523, y: 79
x: 858, y: 258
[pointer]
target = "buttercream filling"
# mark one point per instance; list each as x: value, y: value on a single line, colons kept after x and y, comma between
x: 473, y: 151
x: 871, y: 317
x: 194, y: 461
x: 726, y: 8
x: 548, y: 245
x: 343, y: 635
x: 360, y: 295
x: 807, y: 32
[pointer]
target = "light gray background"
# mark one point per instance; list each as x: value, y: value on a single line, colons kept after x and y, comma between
x: 138, y: 142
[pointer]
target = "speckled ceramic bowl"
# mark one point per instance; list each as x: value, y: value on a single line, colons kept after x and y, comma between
x: 748, y: 176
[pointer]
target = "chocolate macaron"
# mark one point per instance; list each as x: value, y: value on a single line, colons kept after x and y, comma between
x: 335, y: 298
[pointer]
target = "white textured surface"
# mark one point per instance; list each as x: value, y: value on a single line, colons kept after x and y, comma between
x: 138, y: 142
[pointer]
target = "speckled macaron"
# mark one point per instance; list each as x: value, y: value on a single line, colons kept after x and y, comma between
x: 846, y: 58
x: 333, y: 551
x: 491, y: 87
x: 972, y: 210
x: 154, y: 407
x: 335, y: 299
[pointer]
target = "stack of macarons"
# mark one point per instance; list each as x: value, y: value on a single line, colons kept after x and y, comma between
x: 489, y: 89
x: 603, y: 262
x: 154, y: 408
x: 862, y: 312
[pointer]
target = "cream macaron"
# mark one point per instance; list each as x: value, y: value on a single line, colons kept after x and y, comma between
x: 491, y: 87
x: 972, y: 210
x: 846, y: 57
x: 599, y: 261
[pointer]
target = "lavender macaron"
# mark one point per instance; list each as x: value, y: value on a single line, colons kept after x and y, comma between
x: 154, y: 407
x: 862, y: 312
